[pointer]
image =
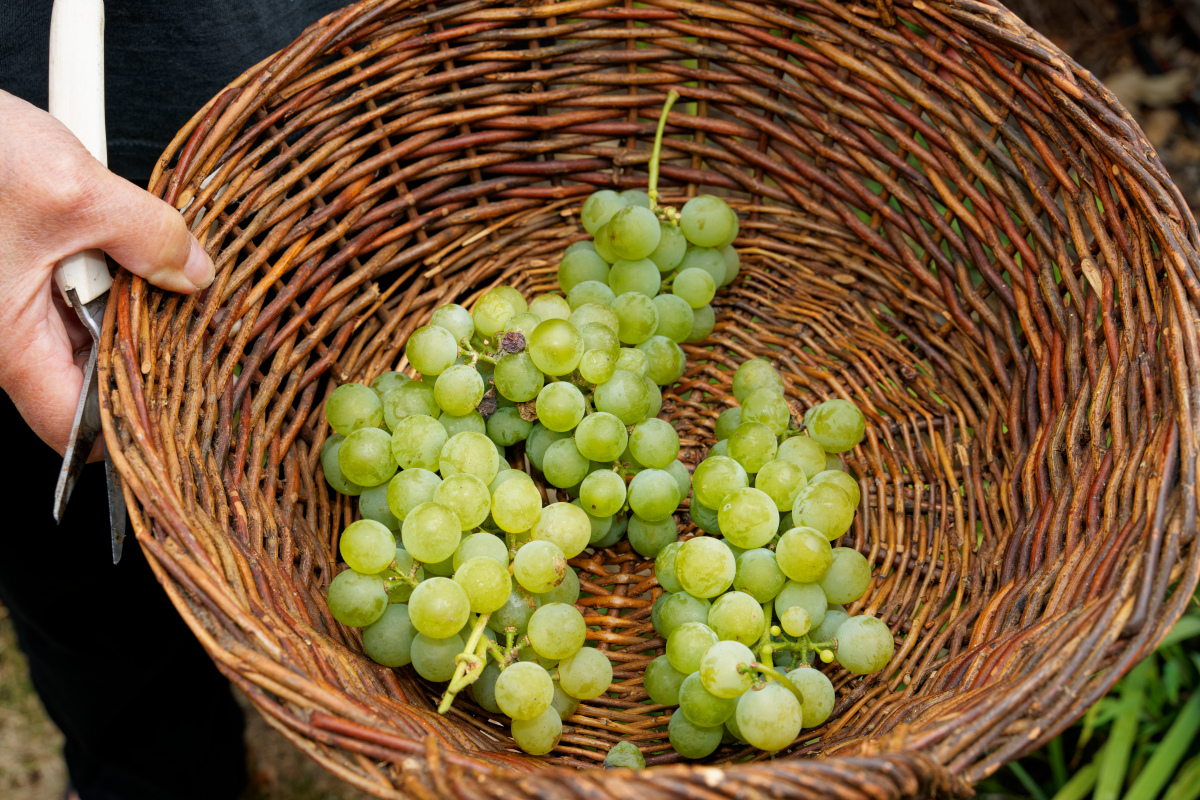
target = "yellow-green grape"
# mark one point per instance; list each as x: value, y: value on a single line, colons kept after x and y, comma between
x: 352, y: 406
x: 431, y: 533
x: 386, y: 382
x: 473, y: 422
x: 624, y: 395
x: 806, y: 595
x: 455, y: 319
x: 727, y: 422
x: 833, y: 463
x: 748, y: 518
x: 671, y: 247
x: 633, y: 232
x: 604, y: 248
x: 654, y: 443
x: 795, y: 621
x: 664, y: 359
x: 480, y: 545
x: 865, y: 645
x: 372, y: 505
x: 388, y: 640
x: 704, y: 567
x: 653, y: 495
x: 599, y: 208
x: 769, y: 717
x: 491, y: 313
x: 691, y: 740
x: 333, y: 472
x: 701, y: 706
x: 523, y: 324
x: 516, y: 506
x: 365, y: 457
x: 486, y: 583
x: 624, y: 755
x: 540, y: 566
x: 367, y: 546
x: 662, y: 681
x: 707, y: 259
x: 720, y: 668
x: 825, y: 507
x: 600, y: 525
x: 515, y: 613
x: 530, y: 655
x: 675, y: 317
x: 842, y: 480
x: 355, y: 599
x: 733, y: 263
x: 589, y: 292
x: 433, y: 659
x: 804, y: 453
x: 706, y: 220
x: 409, y: 489
x: 483, y: 690
x: 431, y: 349
x: 412, y: 398
x: 654, y: 394
x: 467, y: 496
x: 635, y: 197
x: 517, y: 378
x: 848, y: 576
x: 598, y: 336
x: 664, y: 568
x: 595, y: 314
x: 687, y: 645
x: 563, y: 465
x: 681, y: 608
x: 443, y: 568
x: 514, y: 297
x: 417, y: 442
x: 550, y: 306
x: 540, y: 735
x: 758, y: 575
x: 637, y: 275
x: 649, y: 538
x: 505, y: 427
x: 602, y: 493
x: 736, y: 616
x: 565, y: 525
x: 715, y: 478
x: 563, y: 704
x: 555, y: 347
x: 439, y: 607
x: 596, y: 366
x: 705, y: 321
x: 560, y: 406
x: 566, y: 592
x: 695, y: 286
x: 524, y: 690
x: 585, y: 675
x: 470, y: 452
x: 768, y: 407
x: 805, y: 556
x: 556, y: 631
x: 539, y: 441
x: 683, y: 479
x: 601, y: 437
x: 818, y: 694
x: 637, y: 317
x: 835, y: 615
x: 632, y: 360
x: 782, y: 480
x: 755, y: 374
x: 752, y: 445
x: 836, y: 425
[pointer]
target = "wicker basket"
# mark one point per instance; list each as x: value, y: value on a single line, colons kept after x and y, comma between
x: 944, y: 219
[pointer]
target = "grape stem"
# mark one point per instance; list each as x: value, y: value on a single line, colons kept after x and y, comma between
x: 656, y: 154
x: 410, y: 578
x: 469, y: 664
x: 476, y: 355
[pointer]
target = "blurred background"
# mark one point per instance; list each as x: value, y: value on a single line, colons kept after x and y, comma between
x: 1140, y: 742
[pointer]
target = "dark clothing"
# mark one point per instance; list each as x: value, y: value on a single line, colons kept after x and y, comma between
x: 145, y: 713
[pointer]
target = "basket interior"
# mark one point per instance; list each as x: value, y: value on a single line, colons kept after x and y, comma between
x: 943, y: 219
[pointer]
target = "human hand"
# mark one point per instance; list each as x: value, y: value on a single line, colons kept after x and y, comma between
x: 55, y: 200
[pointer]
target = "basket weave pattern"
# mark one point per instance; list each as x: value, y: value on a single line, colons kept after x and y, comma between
x: 943, y: 218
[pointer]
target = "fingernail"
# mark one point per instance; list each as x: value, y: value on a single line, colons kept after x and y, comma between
x: 199, y: 269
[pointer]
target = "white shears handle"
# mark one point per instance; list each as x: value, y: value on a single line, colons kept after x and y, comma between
x: 77, y: 100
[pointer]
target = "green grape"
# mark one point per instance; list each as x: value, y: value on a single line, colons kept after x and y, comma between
x: 864, y: 645
x: 417, y: 442
x: 683, y: 478
x: 687, y: 645
x: 706, y: 320
x: 516, y: 506
x: 599, y: 336
x: 653, y: 495
x: 663, y: 359
x: 515, y: 613
x: 388, y: 640
x: 721, y: 448
x: 632, y: 360
x: 654, y: 443
x: 566, y: 592
x: 602, y: 493
x: 841, y: 480
x: 768, y: 407
x: 795, y: 621
x: 557, y: 631
x: 719, y: 669
x: 560, y: 406
x: 443, y: 568
x: 716, y: 477
x: 505, y: 475
x: 637, y: 317
x: 585, y: 292
x: 828, y: 627
x: 388, y: 381
x: 540, y: 735
x: 601, y: 437
x: 755, y: 374
x: 727, y: 422
x: 472, y: 453
x: 731, y: 730
x: 833, y: 463
x: 738, y: 552
x: 556, y: 347
x: 748, y: 518
x: 695, y: 286
x: 431, y: 349
x: 355, y: 599
x: 365, y: 457
x: 632, y: 232
x: 565, y: 525
x: 550, y: 306
x: 705, y: 518
x: 514, y: 297
x: 702, y: 707
x: 706, y: 220
x: 596, y: 366
x: 769, y: 717
x: 738, y: 617
x: 825, y: 507
x: 599, y: 208
x: 656, y: 608
x: 367, y: 546
x: 409, y: 489
x: 662, y: 681
x: 806, y: 595
x: 785, y: 523
x: 620, y: 524
x: 635, y: 197
x: 539, y: 440
x: 655, y: 394
x: 470, y: 422
x: 431, y: 533
x: 523, y: 324
x: 505, y: 427
x: 585, y: 675
x: 804, y: 555
x: 664, y: 568
x: 532, y: 657
x: 604, y: 248
x: 671, y: 247
x: 804, y: 453
x: 582, y: 244
x: 679, y: 609
x: 563, y: 704
x: 752, y: 445
x: 675, y: 317
x: 639, y: 275
x: 563, y: 464
x: 624, y: 396
x: 467, y: 496
x: 352, y: 406
x: 410, y: 399
x: 818, y: 695
x: 624, y: 755
x: 486, y: 583
x: 524, y: 690
x: 540, y: 566
x: 848, y: 576
x: 372, y: 505
x: 733, y: 263
x: 595, y: 314
x: 480, y: 545
x: 483, y: 690
x: 691, y: 740
x: 491, y: 313
x: 433, y: 659
x: 782, y: 480
x: 707, y: 259
x: 758, y: 575
x: 439, y: 607
x: 455, y: 319
x: 704, y: 567
x: 649, y: 538
x: 600, y: 525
